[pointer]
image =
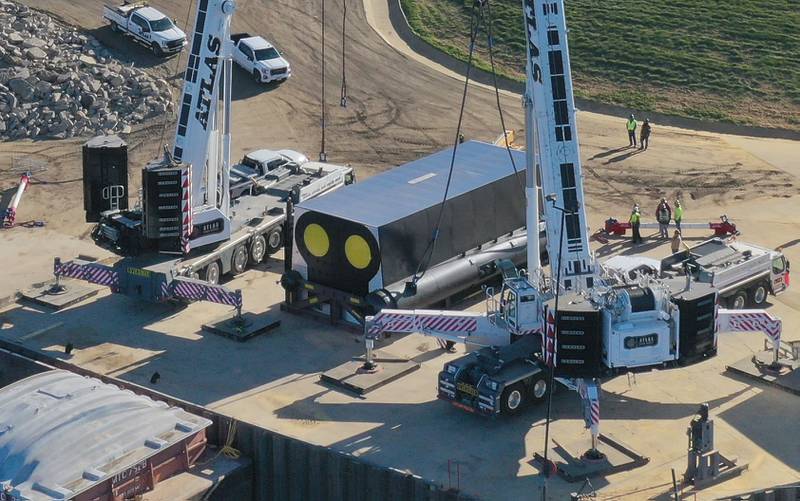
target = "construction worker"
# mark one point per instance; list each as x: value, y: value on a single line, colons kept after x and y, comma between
x: 663, y: 215
x: 631, y: 126
x: 644, y: 138
x: 678, y: 216
x: 676, y: 242
x: 635, y: 221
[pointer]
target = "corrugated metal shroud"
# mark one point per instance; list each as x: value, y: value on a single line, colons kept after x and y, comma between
x: 62, y: 434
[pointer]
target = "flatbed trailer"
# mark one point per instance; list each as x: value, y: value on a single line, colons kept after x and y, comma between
x: 744, y: 273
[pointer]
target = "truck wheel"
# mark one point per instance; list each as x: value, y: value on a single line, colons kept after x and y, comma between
x: 258, y: 249
x: 738, y: 301
x: 115, y: 28
x: 156, y: 49
x: 239, y: 260
x: 256, y: 76
x: 758, y: 294
x: 211, y: 273
x: 274, y: 240
x: 539, y: 388
x: 513, y: 399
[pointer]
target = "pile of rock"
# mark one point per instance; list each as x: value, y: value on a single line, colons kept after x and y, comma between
x: 56, y: 82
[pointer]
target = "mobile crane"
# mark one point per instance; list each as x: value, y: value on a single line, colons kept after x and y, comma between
x: 188, y: 231
x: 603, y: 326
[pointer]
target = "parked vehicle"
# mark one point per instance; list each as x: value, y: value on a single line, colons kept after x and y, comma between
x: 146, y: 25
x: 249, y: 174
x: 260, y: 58
x: 743, y: 273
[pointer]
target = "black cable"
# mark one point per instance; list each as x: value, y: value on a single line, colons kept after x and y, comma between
x: 490, y: 43
x: 322, y: 155
x: 343, y: 99
x: 177, y: 64
x: 475, y: 22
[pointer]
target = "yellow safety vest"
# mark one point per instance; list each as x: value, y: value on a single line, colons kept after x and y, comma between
x: 678, y: 213
x: 631, y: 125
x: 634, y: 218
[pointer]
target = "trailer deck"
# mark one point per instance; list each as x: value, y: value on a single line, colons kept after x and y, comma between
x: 274, y: 381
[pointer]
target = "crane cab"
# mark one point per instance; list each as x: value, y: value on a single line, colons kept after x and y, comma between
x: 520, y: 305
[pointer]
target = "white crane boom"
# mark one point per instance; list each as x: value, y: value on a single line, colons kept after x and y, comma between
x: 199, y: 142
x: 550, y: 118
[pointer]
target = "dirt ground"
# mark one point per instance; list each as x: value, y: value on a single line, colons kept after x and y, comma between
x: 398, y: 110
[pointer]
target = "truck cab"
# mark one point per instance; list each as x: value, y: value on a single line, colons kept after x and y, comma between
x: 260, y: 58
x: 147, y: 26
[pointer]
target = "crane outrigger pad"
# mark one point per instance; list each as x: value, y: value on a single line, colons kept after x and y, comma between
x: 574, y: 468
x: 351, y: 377
x: 757, y: 367
x: 59, y: 296
x: 241, y: 327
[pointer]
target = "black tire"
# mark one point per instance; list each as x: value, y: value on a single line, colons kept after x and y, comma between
x: 758, y: 294
x: 513, y: 399
x: 539, y: 388
x: 738, y: 301
x: 115, y: 28
x: 274, y: 240
x: 211, y: 273
x: 156, y: 50
x: 256, y: 76
x: 258, y: 249
x: 239, y: 260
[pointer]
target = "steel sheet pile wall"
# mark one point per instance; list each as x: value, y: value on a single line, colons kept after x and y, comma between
x: 291, y: 469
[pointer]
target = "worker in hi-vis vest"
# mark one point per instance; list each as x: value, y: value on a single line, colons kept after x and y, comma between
x: 678, y: 214
x: 631, y: 126
x: 635, y: 220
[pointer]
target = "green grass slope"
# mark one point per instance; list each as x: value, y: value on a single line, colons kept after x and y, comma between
x: 736, y: 61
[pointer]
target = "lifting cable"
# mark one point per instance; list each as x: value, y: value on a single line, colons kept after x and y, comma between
x: 323, y: 156
x: 490, y: 43
x: 175, y: 72
x: 475, y: 22
x: 343, y: 99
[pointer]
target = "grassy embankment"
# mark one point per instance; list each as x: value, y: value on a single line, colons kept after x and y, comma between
x: 713, y: 59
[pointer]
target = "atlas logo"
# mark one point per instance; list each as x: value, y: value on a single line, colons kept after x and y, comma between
x: 533, y: 49
x: 207, y: 86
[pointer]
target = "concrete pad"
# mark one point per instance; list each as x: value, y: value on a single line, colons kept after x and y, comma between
x: 69, y: 294
x: 787, y: 379
x: 244, y: 328
x: 574, y: 467
x: 350, y: 376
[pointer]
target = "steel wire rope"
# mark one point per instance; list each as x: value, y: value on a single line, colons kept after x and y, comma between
x: 177, y: 64
x: 475, y: 22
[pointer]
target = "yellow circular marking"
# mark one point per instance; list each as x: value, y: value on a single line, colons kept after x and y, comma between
x: 316, y: 240
x: 357, y: 251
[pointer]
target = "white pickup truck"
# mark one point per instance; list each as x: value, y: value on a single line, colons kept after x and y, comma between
x: 260, y: 58
x: 147, y: 26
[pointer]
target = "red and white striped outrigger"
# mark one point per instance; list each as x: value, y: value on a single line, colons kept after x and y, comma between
x: 463, y: 327
x: 181, y: 288
x: 752, y: 321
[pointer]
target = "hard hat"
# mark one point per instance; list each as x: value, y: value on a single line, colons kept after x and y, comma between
x: 631, y: 115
